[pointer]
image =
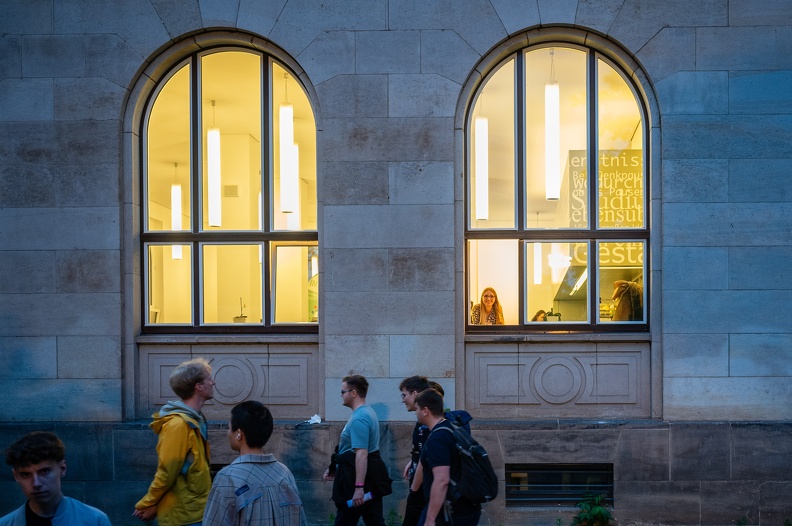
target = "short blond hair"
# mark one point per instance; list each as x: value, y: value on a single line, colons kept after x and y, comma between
x: 187, y: 374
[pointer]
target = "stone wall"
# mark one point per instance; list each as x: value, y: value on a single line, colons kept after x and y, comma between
x: 693, y: 473
x: 390, y: 82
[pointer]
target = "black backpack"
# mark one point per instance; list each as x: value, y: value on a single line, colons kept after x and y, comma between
x: 477, y: 480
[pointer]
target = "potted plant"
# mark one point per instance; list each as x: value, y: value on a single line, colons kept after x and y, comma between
x: 593, y: 511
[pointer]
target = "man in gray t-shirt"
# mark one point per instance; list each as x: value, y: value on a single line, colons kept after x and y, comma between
x: 359, y: 438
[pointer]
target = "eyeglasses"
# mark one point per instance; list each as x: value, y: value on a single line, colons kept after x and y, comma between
x: 488, y: 296
x: 347, y: 391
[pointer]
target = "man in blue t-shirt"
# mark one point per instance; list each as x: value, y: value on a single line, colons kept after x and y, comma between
x: 440, y: 465
x: 359, y: 439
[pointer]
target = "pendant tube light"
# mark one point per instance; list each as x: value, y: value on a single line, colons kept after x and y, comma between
x: 176, y: 210
x: 213, y: 162
x: 481, y: 147
x: 552, y: 136
x: 289, y: 160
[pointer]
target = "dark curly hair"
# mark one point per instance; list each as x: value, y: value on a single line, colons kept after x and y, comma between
x: 415, y: 383
x: 33, y: 448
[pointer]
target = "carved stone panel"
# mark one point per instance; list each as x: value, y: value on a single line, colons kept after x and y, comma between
x: 564, y: 380
x: 279, y: 376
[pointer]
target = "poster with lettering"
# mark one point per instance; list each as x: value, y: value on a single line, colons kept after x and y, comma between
x: 621, y: 191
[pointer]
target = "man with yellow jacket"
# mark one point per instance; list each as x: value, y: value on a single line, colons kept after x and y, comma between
x: 177, y: 496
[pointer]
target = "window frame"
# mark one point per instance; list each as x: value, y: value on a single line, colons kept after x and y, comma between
x: 549, y: 491
x: 196, y: 237
x: 592, y: 235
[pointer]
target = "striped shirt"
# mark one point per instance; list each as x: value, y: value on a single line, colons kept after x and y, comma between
x: 254, y: 490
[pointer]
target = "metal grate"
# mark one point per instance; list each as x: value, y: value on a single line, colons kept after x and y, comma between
x: 556, y: 484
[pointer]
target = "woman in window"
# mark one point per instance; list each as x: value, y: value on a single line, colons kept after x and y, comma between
x: 488, y: 311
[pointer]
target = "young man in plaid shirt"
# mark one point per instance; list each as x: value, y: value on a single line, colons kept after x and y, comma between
x: 255, y: 489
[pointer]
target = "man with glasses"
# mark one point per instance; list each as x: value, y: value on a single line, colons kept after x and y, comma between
x: 358, y: 466
x: 177, y: 495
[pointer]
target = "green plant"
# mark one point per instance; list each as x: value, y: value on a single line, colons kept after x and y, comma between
x: 787, y: 522
x: 593, y: 512
x: 394, y: 518
x: 742, y: 521
x: 558, y: 521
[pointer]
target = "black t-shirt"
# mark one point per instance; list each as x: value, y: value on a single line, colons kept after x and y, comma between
x: 440, y: 450
x: 31, y: 519
x: 420, y: 434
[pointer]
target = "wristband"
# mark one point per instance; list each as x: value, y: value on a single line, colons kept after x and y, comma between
x: 358, y: 485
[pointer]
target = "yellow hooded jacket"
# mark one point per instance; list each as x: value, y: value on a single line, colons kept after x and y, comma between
x: 182, y: 482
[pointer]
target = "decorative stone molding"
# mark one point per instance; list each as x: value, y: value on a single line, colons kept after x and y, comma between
x: 564, y: 380
x: 277, y: 375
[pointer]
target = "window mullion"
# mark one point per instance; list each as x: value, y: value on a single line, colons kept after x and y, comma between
x: 195, y: 211
x: 519, y: 139
x: 266, y: 145
x: 519, y: 149
x: 593, y: 156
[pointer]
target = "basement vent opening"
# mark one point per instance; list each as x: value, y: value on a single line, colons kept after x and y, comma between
x: 556, y: 484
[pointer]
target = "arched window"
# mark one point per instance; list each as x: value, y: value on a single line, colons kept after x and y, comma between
x: 557, y: 195
x: 229, y: 235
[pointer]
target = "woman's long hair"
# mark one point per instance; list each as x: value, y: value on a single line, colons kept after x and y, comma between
x: 496, y: 306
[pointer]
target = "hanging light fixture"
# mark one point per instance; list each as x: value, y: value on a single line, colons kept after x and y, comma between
x: 176, y: 210
x: 213, y: 162
x: 289, y: 156
x: 552, y: 136
x: 481, y: 139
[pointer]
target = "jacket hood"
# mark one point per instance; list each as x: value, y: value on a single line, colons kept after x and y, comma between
x: 178, y: 409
